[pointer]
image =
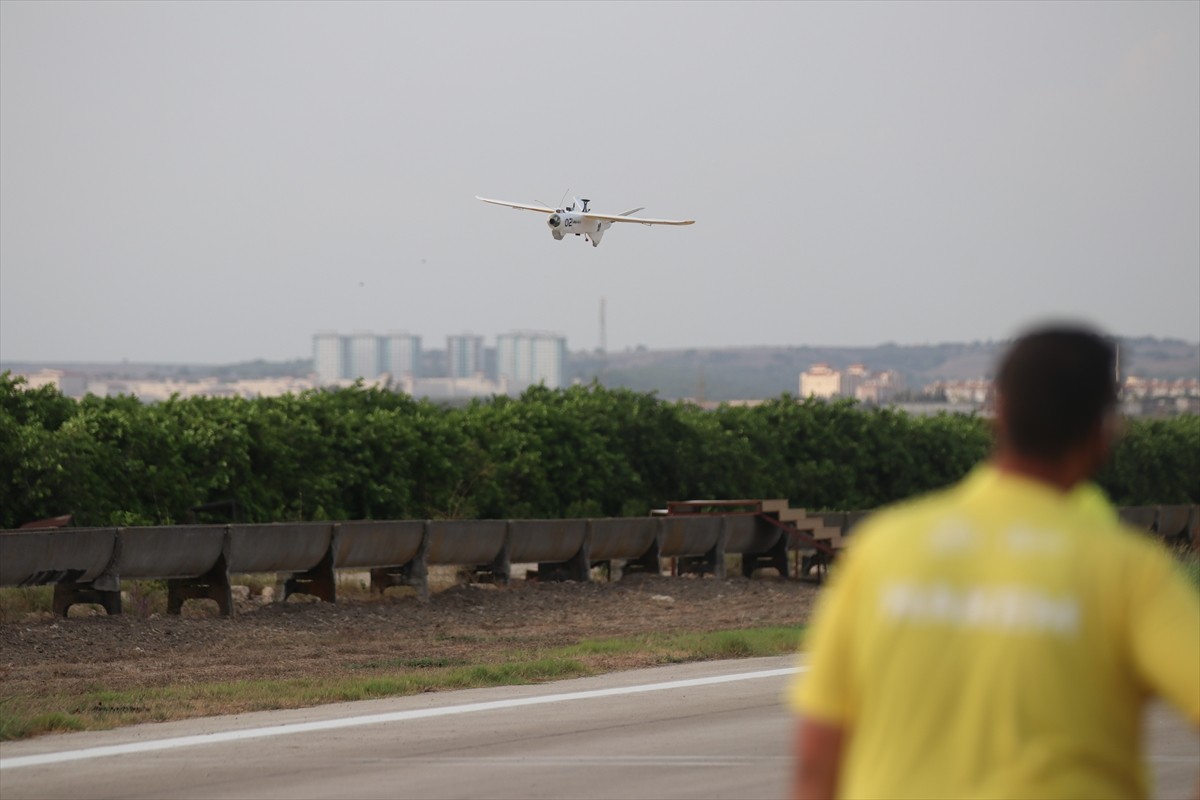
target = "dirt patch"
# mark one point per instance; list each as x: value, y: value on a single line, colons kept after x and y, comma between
x: 45, y: 656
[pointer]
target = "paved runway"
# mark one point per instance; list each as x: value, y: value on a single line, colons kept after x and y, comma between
x: 710, y: 730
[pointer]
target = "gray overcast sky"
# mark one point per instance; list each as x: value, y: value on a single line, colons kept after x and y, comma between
x: 215, y: 182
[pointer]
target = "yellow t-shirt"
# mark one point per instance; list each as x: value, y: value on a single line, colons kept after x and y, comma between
x: 1091, y: 499
x: 997, y: 639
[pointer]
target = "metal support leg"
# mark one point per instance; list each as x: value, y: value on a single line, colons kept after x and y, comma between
x: 212, y: 585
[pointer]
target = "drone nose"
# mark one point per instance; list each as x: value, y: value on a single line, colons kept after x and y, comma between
x: 554, y: 221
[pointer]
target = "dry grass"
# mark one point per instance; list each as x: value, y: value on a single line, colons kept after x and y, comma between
x: 98, y: 671
x: 97, y: 708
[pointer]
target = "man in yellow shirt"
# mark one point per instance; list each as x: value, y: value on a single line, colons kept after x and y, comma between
x: 999, y: 639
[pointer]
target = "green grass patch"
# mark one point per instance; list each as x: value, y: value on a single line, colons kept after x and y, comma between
x: 16, y: 602
x: 428, y: 662
x: 54, y: 722
x: 680, y: 647
x: 99, y: 707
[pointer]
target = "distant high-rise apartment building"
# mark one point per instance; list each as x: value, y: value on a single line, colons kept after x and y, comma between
x: 400, y: 355
x: 365, y: 355
x: 465, y: 354
x: 525, y: 358
x: 489, y: 363
x: 328, y: 356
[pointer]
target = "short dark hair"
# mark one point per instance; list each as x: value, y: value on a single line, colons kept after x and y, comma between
x: 1057, y: 384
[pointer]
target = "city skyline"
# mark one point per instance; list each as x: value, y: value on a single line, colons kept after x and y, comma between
x: 859, y: 381
x: 519, y: 359
x: 306, y: 354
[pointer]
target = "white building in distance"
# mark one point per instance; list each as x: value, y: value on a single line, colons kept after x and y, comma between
x: 70, y: 384
x: 526, y: 358
x: 400, y: 355
x: 328, y: 356
x: 820, y: 380
x: 338, y: 358
x: 362, y: 356
x: 464, y: 354
x: 823, y: 381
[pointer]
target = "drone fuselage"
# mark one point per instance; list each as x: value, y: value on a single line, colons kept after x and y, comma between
x: 564, y: 222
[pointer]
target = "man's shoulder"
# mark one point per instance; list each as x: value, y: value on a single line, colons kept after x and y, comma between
x: 988, y: 500
x: 1132, y: 545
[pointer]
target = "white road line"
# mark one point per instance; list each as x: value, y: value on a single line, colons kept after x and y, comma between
x: 603, y: 761
x: 373, y: 719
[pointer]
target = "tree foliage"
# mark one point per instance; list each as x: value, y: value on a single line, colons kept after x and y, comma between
x: 366, y: 453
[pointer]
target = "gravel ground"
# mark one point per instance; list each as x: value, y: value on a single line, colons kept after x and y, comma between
x: 44, y: 655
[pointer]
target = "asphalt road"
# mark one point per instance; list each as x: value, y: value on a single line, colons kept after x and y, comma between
x: 710, y: 730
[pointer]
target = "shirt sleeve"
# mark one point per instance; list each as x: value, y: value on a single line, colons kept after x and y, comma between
x: 822, y: 690
x: 1164, y: 630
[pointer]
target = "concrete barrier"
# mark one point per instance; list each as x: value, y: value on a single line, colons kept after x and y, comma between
x: 37, y: 557
x: 169, y: 551
x: 690, y: 536
x: 760, y: 544
x: 745, y: 534
x: 622, y: 537
x: 696, y: 542
x: 1175, y: 524
x: 85, y: 565
x: 80, y: 562
x: 633, y: 540
x: 278, y: 547
x: 190, y: 557
x: 375, y: 544
x: 303, y: 549
x: 559, y: 546
x: 481, y: 544
x: 394, y: 552
x: 545, y: 540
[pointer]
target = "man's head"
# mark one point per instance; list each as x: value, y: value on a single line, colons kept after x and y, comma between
x: 1057, y: 395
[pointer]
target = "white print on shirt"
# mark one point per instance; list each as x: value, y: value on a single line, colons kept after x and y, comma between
x: 1006, y: 607
x: 952, y: 537
x: 956, y: 537
x: 1035, y: 541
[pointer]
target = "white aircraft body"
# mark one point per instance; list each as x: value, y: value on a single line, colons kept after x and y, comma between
x: 579, y: 220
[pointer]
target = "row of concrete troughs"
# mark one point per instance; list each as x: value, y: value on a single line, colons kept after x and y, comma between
x: 86, y: 565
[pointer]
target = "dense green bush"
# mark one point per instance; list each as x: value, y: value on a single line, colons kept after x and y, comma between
x: 585, y: 451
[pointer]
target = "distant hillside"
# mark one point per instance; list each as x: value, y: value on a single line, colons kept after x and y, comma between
x: 758, y: 372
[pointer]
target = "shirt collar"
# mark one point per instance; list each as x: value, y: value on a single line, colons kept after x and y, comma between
x: 986, y: 477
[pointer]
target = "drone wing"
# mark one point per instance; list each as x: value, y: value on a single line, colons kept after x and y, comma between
x: 643, y: 220
x: 543, y: 209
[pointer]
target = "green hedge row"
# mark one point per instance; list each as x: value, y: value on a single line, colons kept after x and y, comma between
x: 586, y: 451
